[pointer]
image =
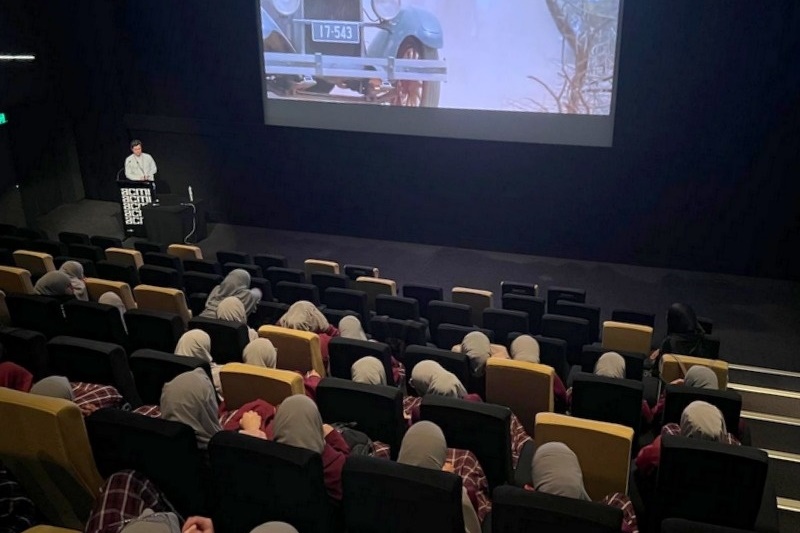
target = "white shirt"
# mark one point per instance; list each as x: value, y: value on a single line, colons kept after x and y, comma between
x: 140, y: 168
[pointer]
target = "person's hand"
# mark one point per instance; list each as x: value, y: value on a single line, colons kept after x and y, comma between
x: 678, y: 381
x: 251, y: 421
x: 654, y: 355
x: 312, y: 374
x: 448, y: 467
x: 198, y: 524
x: 326, y: 429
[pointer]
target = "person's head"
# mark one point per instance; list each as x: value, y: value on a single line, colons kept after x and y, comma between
x: 610, y: 365
x: 525, y: 348
x: 195, y: 343
x: 73, y: 269
x: 422, y: 375
x: 701, y: 377
x: 55, y: 283
x: 111, y: 298
x: 368, y: 370
x: 304, y: 316
x: 298, y: 423
x: 477, y: 347
x: 260, y: 352
x: 238, y: 278
x: 54, y: 387
x: 275, y: 527
x: 701, y: 420
x: 350, y: 328
x: 136, y: 147
x: 555, y: 470
x: 232, y: 309
x: 190, y: 398
x: 681, y: 319
x: 424, y: 446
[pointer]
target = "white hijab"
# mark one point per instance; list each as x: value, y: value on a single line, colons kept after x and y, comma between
x: 350, y: 328
x: 298, y: 423
x: 429, y: 377
x: 190, y: 398
x: 368, y: 370
x: 304, y: 316
x: 701, y: 420
x: 195, y: 343
x: 525, y: 348
x: 74, y: 270
x: 556, y: 470
x: 260, y: 352
x: 701, y: 377
x: 477, y: 347
x: 610, y: 365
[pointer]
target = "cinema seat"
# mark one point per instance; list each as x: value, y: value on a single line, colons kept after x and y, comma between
x: 97, y: 287
x: 162, y: 299
x: 37, y: 263
x: 242, y: 383
x: 525, y: 388
x: 14, y: 280
x: 297, y: 350
x: 627, y: 337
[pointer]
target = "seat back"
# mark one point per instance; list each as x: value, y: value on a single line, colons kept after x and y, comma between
x: 12, y: 242
x: 254, y: 270
x: 482, y: 428
x: 325, y: 280
x: 563, y: 293
x: 476, y: 299
x: 14, y: 280
x: 608, y: 399
x: 679, y: 525
x: 267, y: 313
x: 552, y: 352
x: 423, y: 294
x: 457, y: 363
x: 228, y: 339
x: 519, y: 288
x: 147, y: 246
x: 97, y: 287
x: 39, y: 313
x: 243, y: 383
x: 37, y: 263
x: 344, y: 352
x: 164, y: 451
x: 289, y: 292
x: 114, y: 272
x: 627, y: 337
x: 48, y: 453
x: 231, y: 256
x: 348, y: 300
x: 86, y: 251
x: 397, y: 333
x: 397, y: 307
x: 297, y: 350
x: 320, y: 265
x: 278, y: 274
x: 532, y: 305
x: 258, y: 480
x: 153, y: 329
x: 603, y: 473
x: 160, y: 276
x: 503, y: 322
x: 151, y: 369
x: 678, y: 397
x: 377, y: 410
x: 573, y: 330
x: 162, y: 299
x: 99, y: 322
x: 515, y: 509
x: 54, y: 248
x: 634, y: 361
x: 195, y: 282
x: 710, y: 482
x: 72, y: 237
x: 525, y: 388
x: 203, y: 266
x: 125, y: 257
x: 673, y: 367
x: 630, y: 316
x: 105, y: 242
x: 388, y: 497
x: 356, y: 271
x: 26, y: 348
x: 185, y: 251
x: 449, y: 335
x: 270, y: 260
x: 580, y: 310
x: 373, y: 287
x: 163, y: 260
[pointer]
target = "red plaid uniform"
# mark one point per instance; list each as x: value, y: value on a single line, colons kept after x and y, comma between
x: 620, y: 501
x: 90, y: 396
x: 466, y: 465
x: 124, y: 497
x: 153, y: 411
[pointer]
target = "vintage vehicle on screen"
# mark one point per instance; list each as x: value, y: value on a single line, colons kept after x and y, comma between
x: 312, y: 46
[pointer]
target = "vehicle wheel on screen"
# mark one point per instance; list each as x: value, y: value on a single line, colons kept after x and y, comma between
x: 411, y: 93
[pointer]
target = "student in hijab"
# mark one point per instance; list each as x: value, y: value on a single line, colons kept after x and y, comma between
x: 685, y: 335
x: 368, y: 370
x: 236, y: 284
x: 424, y: 446
x: 275, y: 527
x: 350, y: 328
x: 55, y: 283
x: 111, y: 298
x: 698, y: 376
x: 197, y: 343
x: 260, y: 352
x: 232, y: 309
x: 54, y: 387
x: 555, y: 470
x: 304, y: 316
x: 74, y: 270
x: 14, y: 376
x: 89, y: 397
x: 526, y: 348
x: 699, y: 420
x: 477, y: 347
x: 298, y: 423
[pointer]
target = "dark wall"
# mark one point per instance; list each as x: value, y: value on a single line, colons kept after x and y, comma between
x: 702, y: 175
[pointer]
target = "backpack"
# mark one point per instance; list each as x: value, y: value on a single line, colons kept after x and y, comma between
x: 359, y: 442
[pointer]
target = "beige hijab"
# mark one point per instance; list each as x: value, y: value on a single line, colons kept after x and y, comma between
x: 477, y: 347
x: 232, y: 309
x: 424, y: 446
x: 195, y: 343
x: 54, y: 387
x: 260, y: 352
x: 304, y: 316
x: 429, y: 377
x: 368, y: 370
x: 701, y: 377
x: 190, y: 399
x: 610, y: 365
x: 350, y: 328
x: 74, y: 270
x: 556, y: 470
x: 236, y: 284
x: 525, y: 348
x: 298, y: 423
x: 701, y: 420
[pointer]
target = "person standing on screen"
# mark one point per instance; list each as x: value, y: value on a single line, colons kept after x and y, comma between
x: 139, y: 166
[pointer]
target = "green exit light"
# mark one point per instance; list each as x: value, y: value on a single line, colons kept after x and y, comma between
x: 3, y: 119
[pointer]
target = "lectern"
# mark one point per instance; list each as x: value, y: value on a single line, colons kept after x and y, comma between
x: 133, y: 196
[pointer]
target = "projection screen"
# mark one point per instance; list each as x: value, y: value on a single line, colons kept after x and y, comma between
x: 537, y: 71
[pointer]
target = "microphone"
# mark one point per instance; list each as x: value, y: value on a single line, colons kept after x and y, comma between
x: 120, y: 170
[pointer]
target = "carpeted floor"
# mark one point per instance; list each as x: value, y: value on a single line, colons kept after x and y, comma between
x: 756, y: 319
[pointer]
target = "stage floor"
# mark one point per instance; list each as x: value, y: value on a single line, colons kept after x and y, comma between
x: 757, y: 320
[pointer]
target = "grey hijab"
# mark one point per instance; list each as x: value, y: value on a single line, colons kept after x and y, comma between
x: 350, y: 328
x: 701, y: 377
x: 74, y: 270
x: 260, y: 352
x: 195, y: 343
x: 298, y: 423
x: 555, y: 470
x: 236, y: 284
x: 701, y: 420
x: 54, y: 387
x: 55, y: 283
x: 190, y: 399
x: 368, y: 370
x: 429, y: 377
x: 477, y: 347
x: 610, y: 365
x: 525, y: 348
x: 304, y: 316
x: 274, y: 527
x: 424, y: 446
x: 232, y: 309
x: 422, y: 375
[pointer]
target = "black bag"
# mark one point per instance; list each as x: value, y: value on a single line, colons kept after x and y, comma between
x: 359, y: 442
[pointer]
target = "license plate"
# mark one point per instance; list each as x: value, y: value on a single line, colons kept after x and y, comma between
x: 335, y: 32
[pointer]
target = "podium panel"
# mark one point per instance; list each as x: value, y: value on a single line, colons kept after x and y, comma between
x: 133, y: 197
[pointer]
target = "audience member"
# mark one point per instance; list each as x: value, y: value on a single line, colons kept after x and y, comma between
x: 236, y: 284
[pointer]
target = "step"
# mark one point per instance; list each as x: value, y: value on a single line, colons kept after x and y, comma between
x: 764, y: 377
x: 788, y: 515
x: 773, y: 432
x: 767, y: 400
x: 785, y: 473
